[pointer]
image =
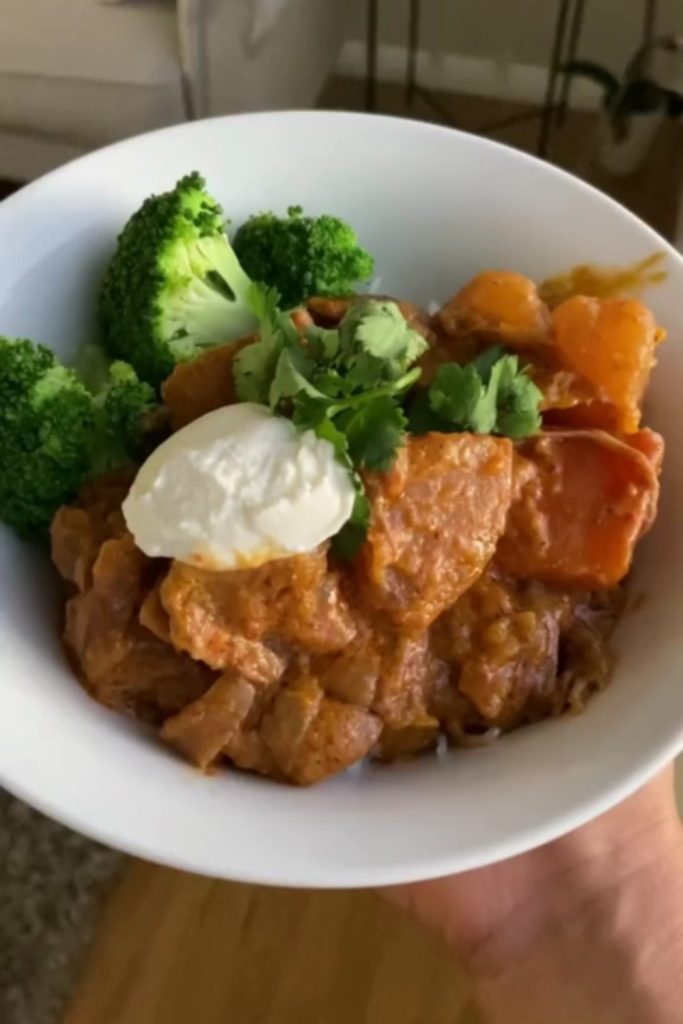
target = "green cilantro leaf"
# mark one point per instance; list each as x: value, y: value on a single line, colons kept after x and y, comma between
x: 323, y: 344
x: 456, y: 392
x: 292, y: 372
x: 375, y: 432
x: 518, y: 402
x: 255, y: 366
x: 486, y: 360
x: 330, y: 432
x: 379, y: 330
x: 350, y: 539
x: 490, y: 395
x: 345, y: 384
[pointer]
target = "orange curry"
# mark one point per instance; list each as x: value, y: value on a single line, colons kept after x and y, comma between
x: 481, y: 600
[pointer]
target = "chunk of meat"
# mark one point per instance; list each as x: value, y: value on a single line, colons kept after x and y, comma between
x: 311, y: 737
x: 246, y: 619
x: 78, y: 531
x: 76, y: 540
x: 435, y: 522
x: 502, y: 640
x: 395, y: 676
x: 408, y: 678
x: 202, y: 385
x: 124, y: 665
x: 583, y: 499
x: 588, y: 664
x: 207, y: 725
x: 497, y: 306
x: 611, y: 343
x: 399, y: 742
x: 103, y: 498
x: 386, y: 671
x: 353, y: 675
x: 154, y: 617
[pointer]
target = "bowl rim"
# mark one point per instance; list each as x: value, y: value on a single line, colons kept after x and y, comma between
x: 290, y: 877
x: 288, y: 874
x: 427, y: 127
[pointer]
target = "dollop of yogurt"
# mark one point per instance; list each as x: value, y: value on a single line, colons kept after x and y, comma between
x: 237, y: 488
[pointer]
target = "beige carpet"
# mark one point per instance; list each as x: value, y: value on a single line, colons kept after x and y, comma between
x: 52, y: 884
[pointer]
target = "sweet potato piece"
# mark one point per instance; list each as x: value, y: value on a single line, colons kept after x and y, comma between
x: 436, y: 519
x: 582, y: 501
x: 611, y: 343
x: 327, y: 311
x: 574, y: 412
x: 200, y: 386
x: 500, y: 306
x: 650, y: 444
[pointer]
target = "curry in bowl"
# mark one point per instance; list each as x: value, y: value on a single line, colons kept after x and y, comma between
x: 300, y: 526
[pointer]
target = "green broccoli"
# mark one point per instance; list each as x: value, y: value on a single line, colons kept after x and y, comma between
x: 174, y: 285
x: 125, y: 407
x: 302, y: 256
x: 55, y: 434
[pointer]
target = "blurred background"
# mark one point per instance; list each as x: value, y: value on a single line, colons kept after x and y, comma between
x: 595, y: 85
x: 86, y: 935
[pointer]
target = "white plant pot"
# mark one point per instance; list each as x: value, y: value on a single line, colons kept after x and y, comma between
x: 625, y: 156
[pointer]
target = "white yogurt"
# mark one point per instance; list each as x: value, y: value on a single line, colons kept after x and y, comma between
x: 238, y: 488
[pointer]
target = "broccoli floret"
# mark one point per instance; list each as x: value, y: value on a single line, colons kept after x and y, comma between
x: 302, y: 256
x: 55, y: 434
x: 174, y: 285
x: 125, y: 407
x: 47, y: 422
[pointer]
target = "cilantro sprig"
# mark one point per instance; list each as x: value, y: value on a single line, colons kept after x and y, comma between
x: 490, y: 395
x: 352, y: 385
x: 345, y: 384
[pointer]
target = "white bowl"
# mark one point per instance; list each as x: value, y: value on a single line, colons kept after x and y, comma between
x: 435, y: 206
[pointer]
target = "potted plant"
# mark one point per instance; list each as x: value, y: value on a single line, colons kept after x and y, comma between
x: 633, y: 107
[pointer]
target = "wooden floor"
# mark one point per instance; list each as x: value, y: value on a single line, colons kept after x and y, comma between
x: 178, y: 949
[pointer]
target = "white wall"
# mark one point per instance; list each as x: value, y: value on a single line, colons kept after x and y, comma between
x: 518, y: 30
x: 286, y: 70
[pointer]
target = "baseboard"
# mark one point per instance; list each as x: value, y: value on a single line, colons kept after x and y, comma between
x: 456, y: 73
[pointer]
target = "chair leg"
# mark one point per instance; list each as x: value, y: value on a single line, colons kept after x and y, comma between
x: 413, y: 47
x: 575, y: 32
x: 371, y: 55
x: 649, y: 21
x: 554, y: 72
